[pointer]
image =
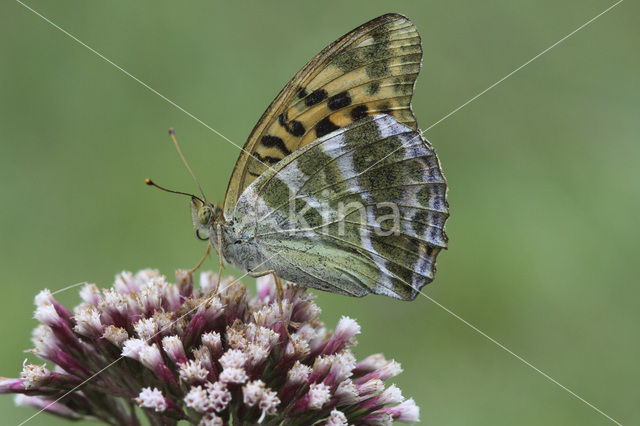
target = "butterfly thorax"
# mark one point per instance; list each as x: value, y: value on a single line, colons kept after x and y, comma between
x: 238, y: 246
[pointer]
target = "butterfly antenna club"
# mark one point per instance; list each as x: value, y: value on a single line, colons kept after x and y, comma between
x: 172, y: 134
x: 152, y: 183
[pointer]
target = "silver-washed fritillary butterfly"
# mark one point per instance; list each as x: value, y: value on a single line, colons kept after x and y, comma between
x: 336, y: 189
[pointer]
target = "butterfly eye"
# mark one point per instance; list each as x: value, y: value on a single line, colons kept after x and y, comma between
x: 204, y: 215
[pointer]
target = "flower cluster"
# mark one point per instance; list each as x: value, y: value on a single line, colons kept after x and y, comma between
x: 207, y: 357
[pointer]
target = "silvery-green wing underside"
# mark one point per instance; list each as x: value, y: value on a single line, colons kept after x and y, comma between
x: 361, y: 210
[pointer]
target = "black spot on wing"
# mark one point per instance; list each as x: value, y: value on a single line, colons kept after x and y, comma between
x: 293, y: 127
x: 325, y: 126
x: 275, y: 142
x: 302, y: 93
x: 266, y: 159
x: 338, y: 101
x: 359, y: 112
x: 316, y: 97
x: 296, y: 128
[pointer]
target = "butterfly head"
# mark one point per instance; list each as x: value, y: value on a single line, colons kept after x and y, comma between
x: 205, y: 216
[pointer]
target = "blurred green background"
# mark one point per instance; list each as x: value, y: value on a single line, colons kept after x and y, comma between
x: 543, y: 173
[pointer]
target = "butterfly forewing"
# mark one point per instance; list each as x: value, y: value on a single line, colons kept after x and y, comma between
x: 370, y: 70
x: 361, y: 210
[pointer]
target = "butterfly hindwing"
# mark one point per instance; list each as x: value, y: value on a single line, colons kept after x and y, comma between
x: 370, y: 70
x: 359, y: 211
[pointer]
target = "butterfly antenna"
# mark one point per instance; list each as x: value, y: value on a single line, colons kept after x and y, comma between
x: 172, y: 133
x: 152, y: 183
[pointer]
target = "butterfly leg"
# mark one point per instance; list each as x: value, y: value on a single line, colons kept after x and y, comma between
x: 206, y: 253
x: 220, y: 258
x: 280, y: 294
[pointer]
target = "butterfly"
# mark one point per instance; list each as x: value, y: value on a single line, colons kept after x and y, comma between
x: 335, y: 188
